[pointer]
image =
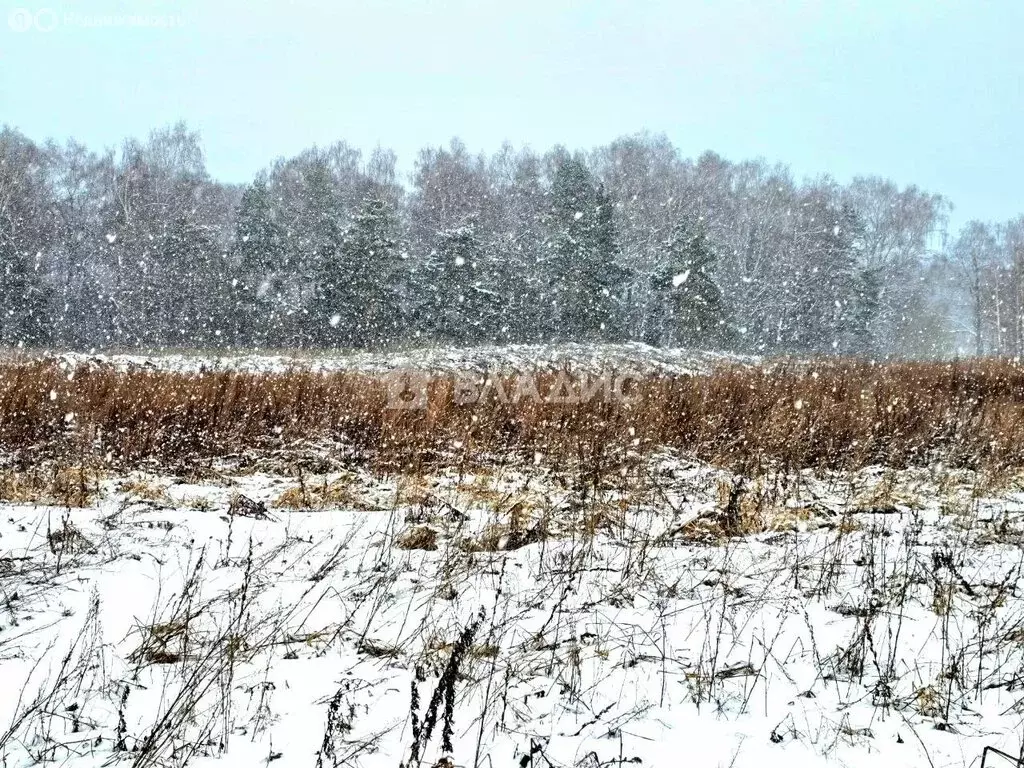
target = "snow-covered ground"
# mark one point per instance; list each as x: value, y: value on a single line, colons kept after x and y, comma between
x: 632, y: 356
x: 863, y: 620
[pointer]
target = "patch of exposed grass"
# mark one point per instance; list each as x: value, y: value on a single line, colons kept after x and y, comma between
x: 53, y: 486
x: 143, y: 490
x: 322, y: 494
x: 198, y: 503
x: 418, y: 537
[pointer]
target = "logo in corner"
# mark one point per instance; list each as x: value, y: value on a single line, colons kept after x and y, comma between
x: 20, y: 20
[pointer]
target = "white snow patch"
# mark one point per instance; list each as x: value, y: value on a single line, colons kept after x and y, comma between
x: 681, y: 278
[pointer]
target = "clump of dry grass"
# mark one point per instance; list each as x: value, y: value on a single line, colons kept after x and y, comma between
x: 829, y: 414
x: 143, y: 489
x: 483, y: 488
x: 417, y: 494
x: 198, y: 503
x: 510, y: 529
x: 929, y: 701
x: 162, y: 643
x: 418, y: 537
x: 321, y: 494
x: 68, y: 539
x: 53, y: 486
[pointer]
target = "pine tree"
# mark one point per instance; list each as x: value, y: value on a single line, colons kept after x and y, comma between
x: 315, y: 252
x: 690, y: 309
x: 259, y: 252
x: 196, y: 286
x: 360, y: 286
x: 586, y: 277
x: 605, y: 280
x: 456, y: 298
x: 864, y: 306
x: 24, y: 299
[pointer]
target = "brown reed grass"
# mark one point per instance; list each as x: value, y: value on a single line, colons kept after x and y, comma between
x: 828, y: 414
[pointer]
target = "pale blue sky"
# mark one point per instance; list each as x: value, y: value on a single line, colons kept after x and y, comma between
x: 922, y: 91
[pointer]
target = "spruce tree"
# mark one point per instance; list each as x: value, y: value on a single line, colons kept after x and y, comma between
x: 584, y: 249
x: 24, y: 299
x: 360, y: 285
x: 827, y: 311
x: 457, y: 299
x: 196, y: 286
x: 315, y: 254
x: 605, y: 280
x: 690, y: 309
x: 517, y: 249
x: 258, y: 250
x: 858, y: 287
x: 863, y: 310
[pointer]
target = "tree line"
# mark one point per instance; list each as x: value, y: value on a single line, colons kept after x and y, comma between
x: 140, y: 247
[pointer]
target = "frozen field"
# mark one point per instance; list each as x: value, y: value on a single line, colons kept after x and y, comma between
x: 631, y: 356
x: 513, y: 618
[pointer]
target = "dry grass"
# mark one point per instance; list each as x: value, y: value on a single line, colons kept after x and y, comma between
x: 55, y: 486
x: 511, y: 529
x: 198, y: 503
x: 321, y: 494
x: 835, y: 414
x: 143, y: 489
x: 418, y: 537
x: 68, y: 539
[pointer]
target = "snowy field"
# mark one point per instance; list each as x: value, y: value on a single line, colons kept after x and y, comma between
x: 632, y: 356
x: 512, y: 618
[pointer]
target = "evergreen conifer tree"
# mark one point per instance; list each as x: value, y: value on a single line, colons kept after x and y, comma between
x: 690, y: 310
x: 258, y: 249
x: 360, y: 285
